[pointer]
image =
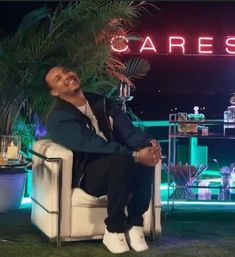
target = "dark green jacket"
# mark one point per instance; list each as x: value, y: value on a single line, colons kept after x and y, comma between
x: 68, y: 126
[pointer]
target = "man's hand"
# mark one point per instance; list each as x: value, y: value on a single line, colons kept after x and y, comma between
x: 150, y: 155
x: 154, y: 142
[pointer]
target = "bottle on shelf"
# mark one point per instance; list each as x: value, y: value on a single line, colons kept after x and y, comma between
x: 229, y: 116
x: 196, y: 116
x: 232, y: 180
x: 182, y: 126
x: 225, y: 193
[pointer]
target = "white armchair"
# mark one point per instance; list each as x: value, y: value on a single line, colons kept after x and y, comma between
x: 66, y: 214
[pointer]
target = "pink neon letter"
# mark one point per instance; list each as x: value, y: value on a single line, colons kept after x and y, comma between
x: 176, y: 41
x: 119, y: 39
x: 201, y: 45
x: 151, y: 47
x: 230, y: 42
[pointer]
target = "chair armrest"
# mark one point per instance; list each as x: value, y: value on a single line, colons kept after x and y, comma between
x: 156, y: 202
x: 157, y: 184
x: 52, y: 178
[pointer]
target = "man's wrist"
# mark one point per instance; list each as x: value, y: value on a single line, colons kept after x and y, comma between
x: 135, y: 155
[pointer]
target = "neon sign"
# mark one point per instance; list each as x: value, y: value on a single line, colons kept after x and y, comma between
x: 230, y: 44
x: 176, y: 41
x: 148, y: 45
x: 205, y: 45
x: 175, y: 45
x: 121, y: 39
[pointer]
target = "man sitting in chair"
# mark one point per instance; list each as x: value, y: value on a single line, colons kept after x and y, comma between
x: 111, y: 156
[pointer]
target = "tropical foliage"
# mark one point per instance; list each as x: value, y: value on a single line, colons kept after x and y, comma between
x: 76, y: 34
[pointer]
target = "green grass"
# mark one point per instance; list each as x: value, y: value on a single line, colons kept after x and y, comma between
x: 188, y: 232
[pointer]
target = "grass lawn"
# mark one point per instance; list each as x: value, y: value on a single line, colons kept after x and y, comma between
x: 194, y: 232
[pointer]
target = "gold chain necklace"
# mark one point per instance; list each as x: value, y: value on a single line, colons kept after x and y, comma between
x: 86, y: 107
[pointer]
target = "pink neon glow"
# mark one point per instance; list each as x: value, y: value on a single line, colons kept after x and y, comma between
x: 119, y: 38
x: 149, y: 48
x: 176, y: 41
x: 230, y: 42
x: 203, y: 44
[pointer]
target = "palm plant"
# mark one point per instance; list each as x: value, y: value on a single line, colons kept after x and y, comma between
x: 77, y: 35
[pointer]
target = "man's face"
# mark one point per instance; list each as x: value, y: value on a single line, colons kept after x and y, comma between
x: 62, y: 81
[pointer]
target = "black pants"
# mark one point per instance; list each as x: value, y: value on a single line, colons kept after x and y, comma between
x: 126, y: 184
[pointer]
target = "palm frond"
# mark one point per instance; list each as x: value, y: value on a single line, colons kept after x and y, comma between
x: 136, y: 68
x: 76, y: 34
x: 33, y: 19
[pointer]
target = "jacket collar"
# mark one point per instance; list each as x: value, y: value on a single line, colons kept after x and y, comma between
x: 63, y: 105
x: 97, y: 104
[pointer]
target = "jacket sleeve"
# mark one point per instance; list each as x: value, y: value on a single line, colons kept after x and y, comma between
x: 132, y: 136
x: 65, y: 129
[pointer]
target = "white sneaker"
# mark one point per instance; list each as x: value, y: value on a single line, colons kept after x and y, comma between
x: 136, y: 240
x: 115, y: 242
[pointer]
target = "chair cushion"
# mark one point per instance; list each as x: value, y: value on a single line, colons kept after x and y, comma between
x: 83, y: 199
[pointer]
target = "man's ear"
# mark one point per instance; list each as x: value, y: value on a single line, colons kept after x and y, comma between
x: 53, y: 92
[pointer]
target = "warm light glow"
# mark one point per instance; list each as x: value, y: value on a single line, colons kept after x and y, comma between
x: 121, y: 43
x: 149, y: 48
x: 12, y: 151
x: 204, y: 44
x: 230, y: 43
x: 176, y: 42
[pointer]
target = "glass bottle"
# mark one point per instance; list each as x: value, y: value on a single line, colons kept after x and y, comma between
x: 196, y: 116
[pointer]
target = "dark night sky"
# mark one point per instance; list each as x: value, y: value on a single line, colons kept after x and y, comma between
x: 12, y: 12
x: 174, y: 80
